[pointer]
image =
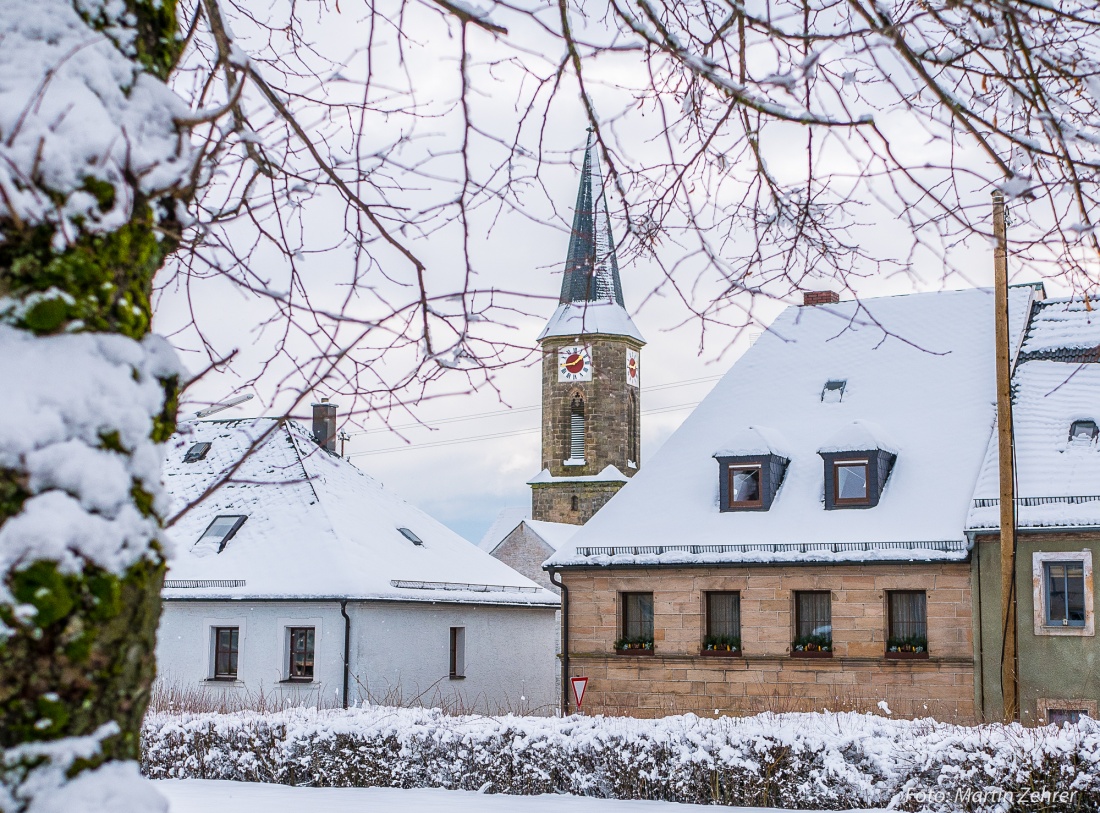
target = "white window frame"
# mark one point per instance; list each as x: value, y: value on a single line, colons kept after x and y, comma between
x: 285, y: 624
x: 211, y: 623
x: 1039, y: 589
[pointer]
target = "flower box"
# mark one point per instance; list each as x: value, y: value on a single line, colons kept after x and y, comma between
x: 907, y: 656
x: 634, y: 652
x: 721, y: 653
x: 811, y: 653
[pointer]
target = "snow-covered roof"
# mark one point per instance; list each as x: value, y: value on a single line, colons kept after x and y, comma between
x: 609, y: 474
x: 1054, y: 384
x: 919, y: 369
x: 317, y: 527
x: 505, y: 522
x: 554, y: 534
x: 576, y: 319
x: 751, y: 441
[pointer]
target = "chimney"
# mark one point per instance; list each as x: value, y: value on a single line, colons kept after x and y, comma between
x: 324, y: 425
x: 820, y: 297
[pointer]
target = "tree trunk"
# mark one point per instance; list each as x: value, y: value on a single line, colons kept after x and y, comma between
x: 87, y: 394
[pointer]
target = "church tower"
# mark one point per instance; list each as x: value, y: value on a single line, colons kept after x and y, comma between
x: 591, y: 371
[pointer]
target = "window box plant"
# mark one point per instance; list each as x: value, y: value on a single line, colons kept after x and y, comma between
x: 812, y: 646
x: 634, y: 646
x: 727, y: 646
x: 915, y: 647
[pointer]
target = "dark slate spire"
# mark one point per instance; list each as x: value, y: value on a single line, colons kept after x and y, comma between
x: 591, y: 270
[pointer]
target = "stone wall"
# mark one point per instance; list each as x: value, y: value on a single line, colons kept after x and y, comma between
x: 523, y: 550
x: 677, y: 678
x: 553, y: 502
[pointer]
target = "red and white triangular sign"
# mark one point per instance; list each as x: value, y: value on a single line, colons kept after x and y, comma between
x: 579, y: 685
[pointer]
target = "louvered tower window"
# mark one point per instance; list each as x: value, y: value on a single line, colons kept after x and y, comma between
x: 632, y: 446
x: 576, y: 428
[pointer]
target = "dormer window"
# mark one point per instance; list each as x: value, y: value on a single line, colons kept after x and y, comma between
x: 856, y: 479
x: 744, y: 486
x: 1082, y: 432
x: 833, y: 392
x: 749, y: 483
x: 850, y: 482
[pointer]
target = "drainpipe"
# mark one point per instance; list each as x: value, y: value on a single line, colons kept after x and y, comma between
x: 347, y: 647
x: 564, y: 642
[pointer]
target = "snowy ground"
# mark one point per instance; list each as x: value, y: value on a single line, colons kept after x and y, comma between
x: 209, y: 796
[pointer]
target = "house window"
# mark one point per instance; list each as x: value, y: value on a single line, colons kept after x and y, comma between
x: 907, y: 619
x: 409, y: 535
x: 218, y: 533
x: 1059, y: 711
x: 574, y: 503
x: 850, y: 482
x: 458, y: 653
x: 226, y: 648
x: 576, y: 431
x: 833, y: 391
x: 1062, y: 716
x: 1063, y: 593
x: 723, y: 621
x: 813, y: 621
x: 301, y: 653
x: 638, y: 617
x: 744, y: 487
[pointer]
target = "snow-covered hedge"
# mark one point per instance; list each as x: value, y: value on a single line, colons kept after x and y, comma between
x: 825, y: 761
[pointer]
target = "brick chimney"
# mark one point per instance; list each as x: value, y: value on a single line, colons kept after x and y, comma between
x: 324, y: 425
x: 820, y: 297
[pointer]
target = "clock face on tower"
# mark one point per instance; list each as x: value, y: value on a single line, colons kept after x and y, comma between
x: 574, y: 363
x: 633, y: 368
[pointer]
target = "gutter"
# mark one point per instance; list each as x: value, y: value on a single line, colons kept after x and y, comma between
x: 564, y: 641
x: 347, y: 647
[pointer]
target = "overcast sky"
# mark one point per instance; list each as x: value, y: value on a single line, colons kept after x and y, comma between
x: 478, y: 448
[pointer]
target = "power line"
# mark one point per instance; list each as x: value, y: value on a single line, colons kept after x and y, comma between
x: 497, y: 412
x: 515, y: 432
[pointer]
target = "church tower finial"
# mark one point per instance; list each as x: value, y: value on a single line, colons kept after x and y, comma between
x: 591, y: 371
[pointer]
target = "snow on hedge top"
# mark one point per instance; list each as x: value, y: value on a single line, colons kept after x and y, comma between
x: 61, y: 396
x: 317, y: 527
x: 919, y: 367
x: 1058, y: 476
x: 585, y: 318
x: 73, y: 106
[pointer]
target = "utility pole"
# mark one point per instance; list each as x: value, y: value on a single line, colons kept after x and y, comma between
x: 1010, y: 690
x: 343, y: 437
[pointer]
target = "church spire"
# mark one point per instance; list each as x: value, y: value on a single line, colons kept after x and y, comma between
x: 591, y: 269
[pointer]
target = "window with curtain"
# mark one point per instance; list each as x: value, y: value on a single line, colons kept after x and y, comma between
x: 813, y: 616
x: 576, y: 428
x: 637, y: 616
x: 723, y: 620
x: 907, y: 614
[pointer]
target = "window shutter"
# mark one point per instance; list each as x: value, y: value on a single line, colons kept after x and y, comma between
x: 576, y: 430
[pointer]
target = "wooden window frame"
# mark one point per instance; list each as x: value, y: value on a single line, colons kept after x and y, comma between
x: 739, y: 467
x: 309, y: 654
x: 623, y: 600
x: 457, y: 667
x: 233, y: 651
x: 852, y: 461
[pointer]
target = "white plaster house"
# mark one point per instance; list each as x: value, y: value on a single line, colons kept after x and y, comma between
x: 304, y: 577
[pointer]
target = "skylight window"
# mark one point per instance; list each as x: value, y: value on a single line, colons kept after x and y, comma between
x: 1082, y: 432
x: 409, y: 535
x: 220, y: 531
x: 196, y: 453
x: 833, y: 392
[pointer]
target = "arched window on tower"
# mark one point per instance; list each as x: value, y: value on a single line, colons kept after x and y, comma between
x: 633, y: 452
x: 576, y: 430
